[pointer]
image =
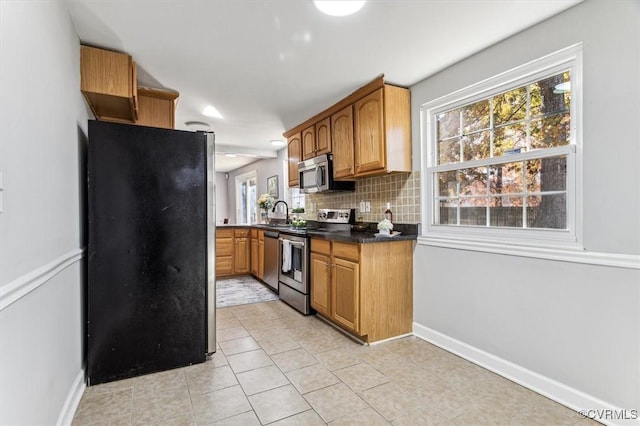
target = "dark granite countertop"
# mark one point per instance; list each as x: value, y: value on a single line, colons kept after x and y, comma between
x: 407, y: 232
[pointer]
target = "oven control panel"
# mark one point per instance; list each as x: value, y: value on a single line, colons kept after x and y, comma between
x: 336, y: 215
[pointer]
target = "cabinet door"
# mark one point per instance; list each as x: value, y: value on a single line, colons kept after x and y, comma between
x: 157, y: 108
x: 261, y: 259
x: 342, y: 140
x: 369, y: 147
x: 345, y: 294
x: 323, y: 136
x: 241, y: 258
x: 320, y: 283
x: 254, y: 257
x: 308, y: 143
x: 224, y: 256
x: 294, y: 146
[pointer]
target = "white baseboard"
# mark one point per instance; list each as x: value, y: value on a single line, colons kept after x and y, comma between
x: 72, y: 401
x: 577, y: 400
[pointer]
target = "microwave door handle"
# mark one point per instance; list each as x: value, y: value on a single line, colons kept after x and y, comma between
x: 319, y: 177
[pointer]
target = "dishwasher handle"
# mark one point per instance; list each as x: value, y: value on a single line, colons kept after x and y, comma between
x: 271, y: 234
x: 293, y: 243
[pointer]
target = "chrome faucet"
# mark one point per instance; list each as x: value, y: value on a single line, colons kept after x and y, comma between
x: 286, y: 207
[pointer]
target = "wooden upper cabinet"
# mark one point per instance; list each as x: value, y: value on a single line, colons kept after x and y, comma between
x: 157, y: 107
x: 309, y: 143
x: 108, y: 83
x: 342, y: 138
x: 382, y: 132
x: 323, y: 136
x: 294, y: 148
x: 369, y: 146
x: 316, y: 139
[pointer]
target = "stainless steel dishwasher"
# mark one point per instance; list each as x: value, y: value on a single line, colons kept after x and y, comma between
x: 271, y: 259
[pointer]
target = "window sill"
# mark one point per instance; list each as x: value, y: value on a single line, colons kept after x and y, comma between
x: 573, y: 255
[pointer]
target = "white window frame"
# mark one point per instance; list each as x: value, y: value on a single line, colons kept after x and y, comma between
x: 239, y: 179
x: 496, y: 239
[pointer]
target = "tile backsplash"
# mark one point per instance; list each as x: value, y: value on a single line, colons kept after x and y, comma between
x: 401, y: 190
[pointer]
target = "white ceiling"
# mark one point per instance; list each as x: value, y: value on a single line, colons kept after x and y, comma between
x: 268, y: 65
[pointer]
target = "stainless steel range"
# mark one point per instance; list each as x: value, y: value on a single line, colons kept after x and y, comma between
x: 293, y: 257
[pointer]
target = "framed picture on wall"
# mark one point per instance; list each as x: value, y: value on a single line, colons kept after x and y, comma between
x: 272, y: 186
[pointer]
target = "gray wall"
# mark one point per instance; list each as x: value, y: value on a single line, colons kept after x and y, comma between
x: 42, y: 136
x: 576, y: 325
x: 264, y: 169
x: 222, y: 198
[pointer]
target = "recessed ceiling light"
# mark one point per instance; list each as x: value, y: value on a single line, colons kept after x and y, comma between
x: 231, y: 155
x: 339, y: 7
x: 277, y: 142
x: 211, y: 111
x: 197, y: 125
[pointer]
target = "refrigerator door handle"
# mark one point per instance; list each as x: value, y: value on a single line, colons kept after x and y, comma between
x: 211, y: 244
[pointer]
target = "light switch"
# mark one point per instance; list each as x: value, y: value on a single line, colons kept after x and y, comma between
x: 367, y: 207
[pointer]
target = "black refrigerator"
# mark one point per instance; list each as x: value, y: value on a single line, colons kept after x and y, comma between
x: 151, y: 240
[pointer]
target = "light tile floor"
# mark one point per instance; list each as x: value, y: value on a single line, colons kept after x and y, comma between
x: 275, y: 366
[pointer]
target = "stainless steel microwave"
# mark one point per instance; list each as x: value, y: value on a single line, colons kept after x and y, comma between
x: 316, y: 175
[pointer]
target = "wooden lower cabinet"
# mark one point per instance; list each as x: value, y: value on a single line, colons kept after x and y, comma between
x: 232, y: 252
x: 224, y: 252
x: 366, y: 289
x: 254, y: 252
x: 321, y: 279
x: 261, y: 255
x: 242, y: 259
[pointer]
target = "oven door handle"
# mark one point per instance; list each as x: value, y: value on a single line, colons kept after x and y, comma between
x: 294, y: 243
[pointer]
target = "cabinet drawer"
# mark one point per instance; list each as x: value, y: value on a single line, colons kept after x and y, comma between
x: 224, y: 265
x: 241, y: 232
x: 346, y: 251
x: 320, y: 246
x: 224, y: 233
x: 224, y: 247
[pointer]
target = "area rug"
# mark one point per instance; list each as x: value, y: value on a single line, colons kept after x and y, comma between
x: 241, y: 291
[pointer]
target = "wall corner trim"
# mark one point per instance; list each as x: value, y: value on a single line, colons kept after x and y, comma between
x: 559, y: 392
x: 25, y: 284
x: 72, y: 401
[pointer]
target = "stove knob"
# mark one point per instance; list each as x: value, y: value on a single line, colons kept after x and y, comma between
x: 322, y: 216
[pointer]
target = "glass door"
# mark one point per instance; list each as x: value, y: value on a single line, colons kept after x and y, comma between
x: 246, y: 198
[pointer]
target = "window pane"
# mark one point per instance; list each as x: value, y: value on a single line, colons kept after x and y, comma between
x: 547, y: 174
x: 447, y: 184
x: 509, y: 139
x: 448, y: 212
x: 448, y: 124
x: 506, y: 211
x: 547, y: 211
x: 510, y: 106
x: 475, y: 117
x: 551, y: 95
x: 473, y: 211
x: 477, y: 146
x: 473, y: 181
x: 551, y: 131
x: 506, y: 178
x: 449, y: 151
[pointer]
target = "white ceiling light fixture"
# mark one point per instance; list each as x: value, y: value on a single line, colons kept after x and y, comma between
x: 277, y: 142
x: 339, y: 7
x: 230, y: 155
x: 197, y: 125
x: 211, y: 111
